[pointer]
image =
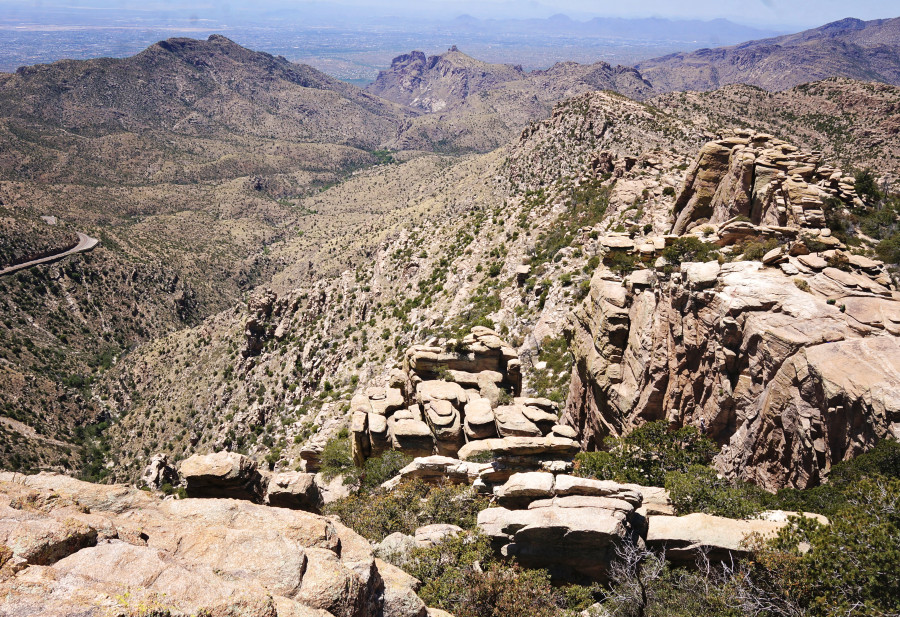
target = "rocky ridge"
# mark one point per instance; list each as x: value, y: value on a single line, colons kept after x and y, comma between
x: 755, y: 354
x: 864, y: 50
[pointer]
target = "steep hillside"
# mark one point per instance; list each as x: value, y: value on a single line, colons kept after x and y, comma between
x: 867, y: 51
x: 197, y: 88
x: 853, y: 123
x: 186, y: 161
x: 439, y: 82
x: 470, y: 105
x: 265, y: 378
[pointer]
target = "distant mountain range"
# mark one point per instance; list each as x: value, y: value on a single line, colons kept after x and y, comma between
x: 864, y: 50
x: 714, y: 32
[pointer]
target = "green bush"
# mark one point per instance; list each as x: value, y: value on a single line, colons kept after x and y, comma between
x: 336, y: 459
x: 647, y: 454
x: 689, y: 249
x: 755, y: 249
x: 830, y: 498
x: 621, y: 263
x: 888, y: 250
x: 852, y: 564
x: 410, y: 505
x: 701, y: 489
x: 462, y: 576
x: 379, y: 469
x: 867, y: 187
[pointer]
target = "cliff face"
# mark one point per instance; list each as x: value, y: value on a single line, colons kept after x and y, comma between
x: 788, y: 383
x: 789, y: 359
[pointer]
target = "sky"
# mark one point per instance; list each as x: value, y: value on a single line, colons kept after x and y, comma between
x: 768, y: 12
x: 781, y: 14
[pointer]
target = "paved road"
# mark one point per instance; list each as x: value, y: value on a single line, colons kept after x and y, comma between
x: 85, y: 243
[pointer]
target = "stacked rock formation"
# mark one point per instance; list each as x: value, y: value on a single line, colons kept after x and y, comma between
x: 566, y: 524
x: 457, y: 400
x: 73, y: 548
x: 790, y: 373
x: 766, y: 180
x: 575, y: 526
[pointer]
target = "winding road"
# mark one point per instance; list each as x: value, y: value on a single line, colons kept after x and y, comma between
x: 85, y: 243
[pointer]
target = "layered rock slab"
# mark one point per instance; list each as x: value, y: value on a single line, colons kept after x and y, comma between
x: 573, y: 535
x: 786, y: 379
x: 223, y: 556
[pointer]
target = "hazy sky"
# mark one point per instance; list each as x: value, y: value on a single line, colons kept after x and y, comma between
x: 782, y: 14
x: 771, y: 12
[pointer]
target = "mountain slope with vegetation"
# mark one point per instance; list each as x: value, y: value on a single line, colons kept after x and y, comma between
x: 852, y: 48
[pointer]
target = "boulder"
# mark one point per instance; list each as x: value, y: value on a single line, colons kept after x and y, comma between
x: 449, y: 391
x: 561, y: 430
x: 223, y: 474
x: 439, y: 469
x: 480, y: 421
x: 395, y: 547
x: 701, y: 275
x: 429, y: 535
x: 520, y: 446
x: 295, y: 490
x: 412, y: 437
x: 571, y: 542
x: 722, y: 539
x: 158, y: 472
x: 522, y: 488
x: 512, y: 422
x: 400, y: 599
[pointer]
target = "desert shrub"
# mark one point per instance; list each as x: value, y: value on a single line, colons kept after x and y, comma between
x: 754, y: 250
x: 813, y: 243
x: 688, y: 249
x: 888, y: 250
x: 410, y: 505
x: 644, y: 584
x: 379, y: 469
x: 587, y: 207
x: 830, y: 498
x: 802, y: 285
x: 621, y: 263
x: 336, y: 459
x: 462, y: 576
x: 701, y: 489
x: 647, y: 454
x: 507, y: 591
x: 851, y: 566
x: 553, y: 382
x: 866, y: 186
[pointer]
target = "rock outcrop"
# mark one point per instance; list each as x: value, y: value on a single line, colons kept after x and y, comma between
x: 295, y: 490
x: 767, y: 180
x: 159, y: 472
x: 790, y: 373
x: 684, y: 538
x: 74, y: 548
x: 569, y: 525
x: 457, y: 401
x: 223, y: 474
x: 575, y: 526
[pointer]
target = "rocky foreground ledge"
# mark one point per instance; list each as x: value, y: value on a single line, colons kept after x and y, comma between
x: 73, y: 548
